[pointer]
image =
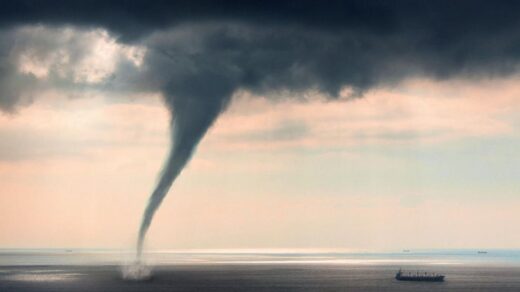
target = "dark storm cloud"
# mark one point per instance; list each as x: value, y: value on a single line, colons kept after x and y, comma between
x: 289, y: 45
x: 444, y: 20
x: 134, y: 18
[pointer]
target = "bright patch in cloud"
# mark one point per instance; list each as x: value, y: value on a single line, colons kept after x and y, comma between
x: 84, y: 56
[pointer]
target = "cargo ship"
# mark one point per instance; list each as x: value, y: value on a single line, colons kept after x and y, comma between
x: 419, y: 277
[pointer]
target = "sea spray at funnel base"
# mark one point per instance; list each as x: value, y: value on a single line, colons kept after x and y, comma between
x: 136, y: 272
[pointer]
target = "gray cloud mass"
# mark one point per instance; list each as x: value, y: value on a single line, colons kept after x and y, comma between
x: 265, y: 46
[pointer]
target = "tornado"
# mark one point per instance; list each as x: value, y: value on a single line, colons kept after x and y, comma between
x: 191, y: 117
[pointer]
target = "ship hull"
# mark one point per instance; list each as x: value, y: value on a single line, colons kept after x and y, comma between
x: 420, y: 278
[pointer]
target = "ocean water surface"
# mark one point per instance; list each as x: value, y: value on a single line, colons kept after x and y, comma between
x: 259, y: 270
x: 13, y: 257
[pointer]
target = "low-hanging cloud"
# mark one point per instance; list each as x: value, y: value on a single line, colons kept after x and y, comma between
x: 271, y: 46
x: 200, y: 53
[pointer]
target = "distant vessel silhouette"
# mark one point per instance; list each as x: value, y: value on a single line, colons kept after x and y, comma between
x: 482, y: 251
x: 419, y: 277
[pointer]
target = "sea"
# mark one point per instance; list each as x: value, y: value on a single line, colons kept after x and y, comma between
x: 256, y: 270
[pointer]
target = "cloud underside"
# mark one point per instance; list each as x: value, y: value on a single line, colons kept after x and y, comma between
x: 207, y: 52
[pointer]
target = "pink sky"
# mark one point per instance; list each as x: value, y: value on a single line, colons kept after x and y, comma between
x: 77, y: 172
